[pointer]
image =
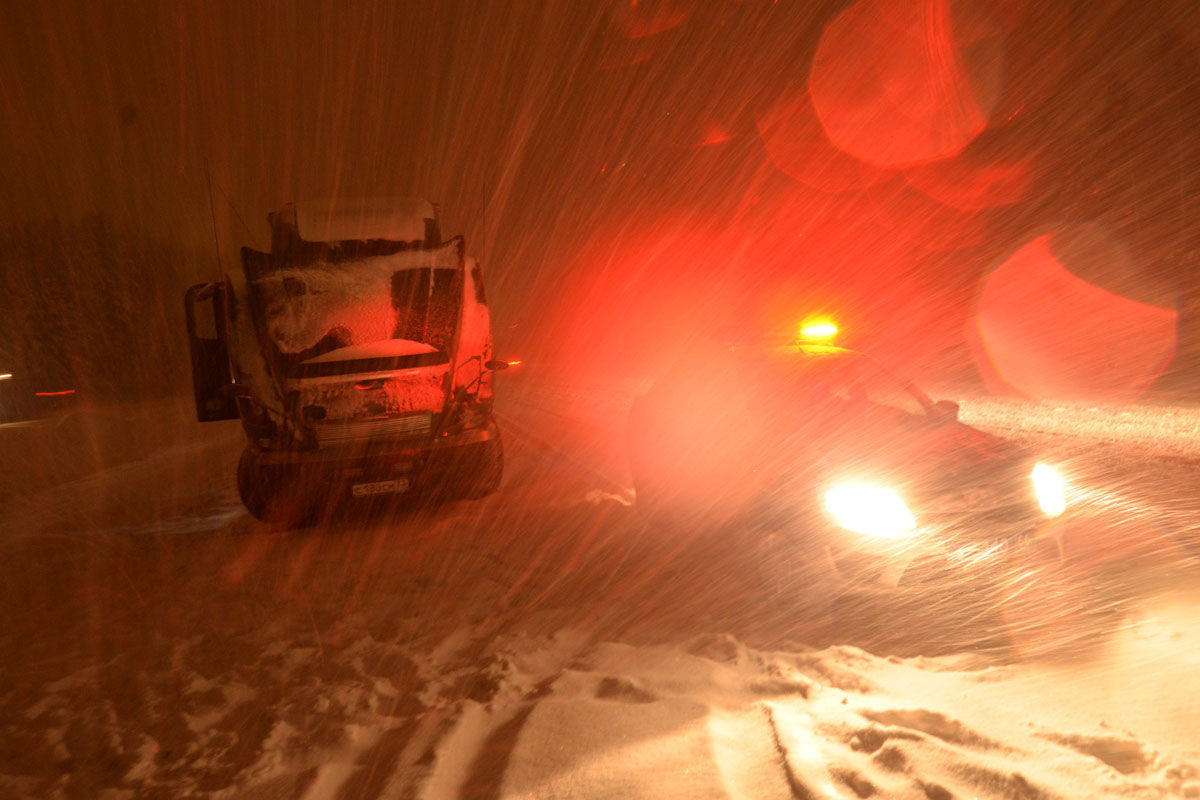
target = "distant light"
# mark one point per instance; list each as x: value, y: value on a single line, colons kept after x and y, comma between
x: 6, y: 376
x: 515, y: 363
x: 818, y: 330
x: 54, y: 394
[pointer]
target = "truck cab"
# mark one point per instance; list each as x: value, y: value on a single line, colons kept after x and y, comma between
x: 357, y: 353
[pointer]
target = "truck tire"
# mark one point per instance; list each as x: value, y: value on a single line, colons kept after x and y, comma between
x: 274, y: 495
x: 485, y: 469
x: 252, y: 488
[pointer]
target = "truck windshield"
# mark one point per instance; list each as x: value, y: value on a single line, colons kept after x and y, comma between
x: 365, y: 310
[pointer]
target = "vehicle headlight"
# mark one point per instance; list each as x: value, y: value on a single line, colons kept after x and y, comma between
x: 870, y: 510
x: 1051, y: 490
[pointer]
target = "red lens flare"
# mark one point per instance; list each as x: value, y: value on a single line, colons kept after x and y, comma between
x: 1046, y: 332
x: 641, y: 19
x: 972, y: 187
x: 798, y: 147
x: 902, y: 82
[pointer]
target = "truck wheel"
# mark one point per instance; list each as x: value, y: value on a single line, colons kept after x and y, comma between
x: 486, y: 469
x: 252, y: 487
x: 273, y: 495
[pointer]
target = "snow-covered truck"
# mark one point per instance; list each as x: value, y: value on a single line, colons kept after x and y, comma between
x: 357, y: 353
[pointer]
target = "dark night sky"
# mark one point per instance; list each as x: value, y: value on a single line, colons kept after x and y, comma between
x: 550, y: 130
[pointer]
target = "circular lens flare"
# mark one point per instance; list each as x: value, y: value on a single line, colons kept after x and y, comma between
x: 1049, y: 333
x: 902, y: 82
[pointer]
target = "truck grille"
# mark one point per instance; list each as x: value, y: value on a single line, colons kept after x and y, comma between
x: 409, y: 426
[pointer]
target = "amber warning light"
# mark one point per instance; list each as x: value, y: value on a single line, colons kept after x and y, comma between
x: 497, y: 364
x: 817, y: 330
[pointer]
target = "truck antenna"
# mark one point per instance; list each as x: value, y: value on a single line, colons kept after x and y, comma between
x: 483, y: 245
x: 212, y: 210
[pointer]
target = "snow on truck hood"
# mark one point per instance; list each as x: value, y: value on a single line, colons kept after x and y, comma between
x: 386, y: 348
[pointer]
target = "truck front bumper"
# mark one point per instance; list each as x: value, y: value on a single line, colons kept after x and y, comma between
x: 380, y: 466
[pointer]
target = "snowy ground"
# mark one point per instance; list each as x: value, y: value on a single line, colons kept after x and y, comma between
x: 545, y: 642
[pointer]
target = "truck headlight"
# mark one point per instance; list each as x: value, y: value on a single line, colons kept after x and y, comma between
x: 1051, y: 490
x: 870, y: 510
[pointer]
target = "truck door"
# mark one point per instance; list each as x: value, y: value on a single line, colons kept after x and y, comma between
x: 212, y: 377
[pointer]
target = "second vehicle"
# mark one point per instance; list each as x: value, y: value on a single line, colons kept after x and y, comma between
x: 870, y: 480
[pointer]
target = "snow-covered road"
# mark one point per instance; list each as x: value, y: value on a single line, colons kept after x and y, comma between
x: 544, y: 642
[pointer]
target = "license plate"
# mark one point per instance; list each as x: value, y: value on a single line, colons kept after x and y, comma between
x: 379, y: 487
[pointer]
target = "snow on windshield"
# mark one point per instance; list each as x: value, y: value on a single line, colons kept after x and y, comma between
x: 310, y: 310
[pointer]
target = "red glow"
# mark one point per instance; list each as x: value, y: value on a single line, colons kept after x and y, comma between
x: 640, y: 298
x: 55, y: 394
x: 901, y: 82
x: 1046, y: 332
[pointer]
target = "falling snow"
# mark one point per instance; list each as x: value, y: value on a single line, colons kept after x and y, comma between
x: 997, y: 198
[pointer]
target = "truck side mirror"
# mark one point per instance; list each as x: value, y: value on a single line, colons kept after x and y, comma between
x: 947, y: 410
x: 496, y: 365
